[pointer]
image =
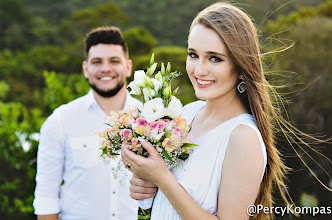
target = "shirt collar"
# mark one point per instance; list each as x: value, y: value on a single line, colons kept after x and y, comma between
x: 91, y: 100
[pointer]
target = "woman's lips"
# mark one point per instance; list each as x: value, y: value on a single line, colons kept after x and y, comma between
x: 204, y: 83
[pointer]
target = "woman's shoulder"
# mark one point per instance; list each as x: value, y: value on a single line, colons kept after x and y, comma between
x: 246, y: 141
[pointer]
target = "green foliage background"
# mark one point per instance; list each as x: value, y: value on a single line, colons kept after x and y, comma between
x: 41, y: 53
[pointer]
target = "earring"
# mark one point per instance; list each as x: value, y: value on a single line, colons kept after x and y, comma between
x: 242, y: 86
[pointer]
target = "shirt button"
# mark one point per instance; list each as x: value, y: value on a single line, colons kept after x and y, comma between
x: 113, y: 214
x: 113, y: 192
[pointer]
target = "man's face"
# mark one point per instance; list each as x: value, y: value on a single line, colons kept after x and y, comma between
x: 106, y: 69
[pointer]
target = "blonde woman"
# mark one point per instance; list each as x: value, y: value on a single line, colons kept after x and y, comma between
x: 236, y: 161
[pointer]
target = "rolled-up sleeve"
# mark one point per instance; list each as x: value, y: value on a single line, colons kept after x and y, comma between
x: 50, y: 163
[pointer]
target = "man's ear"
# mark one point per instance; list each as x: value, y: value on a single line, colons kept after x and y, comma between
x: 85, y: 68
x: 129, y: 68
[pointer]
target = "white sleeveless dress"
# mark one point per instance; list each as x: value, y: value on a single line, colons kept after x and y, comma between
x: 201, y: 173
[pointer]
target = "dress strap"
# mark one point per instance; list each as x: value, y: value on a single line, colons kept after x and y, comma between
x: 191, y: 109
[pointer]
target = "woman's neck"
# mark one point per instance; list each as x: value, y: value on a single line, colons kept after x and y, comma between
x: 224, y: 108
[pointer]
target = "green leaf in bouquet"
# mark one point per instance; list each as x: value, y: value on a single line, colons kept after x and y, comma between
x: 184, y: 156
x: 104, y: 150
x: 108, y: 136
x: 175, y: 91
x: 188, y: 145
x: 112, y: 153
x: 144, y: 214
x: 152, y: 59
x: 164, y: 152
x: 137, y: 134
x: 190, y: 127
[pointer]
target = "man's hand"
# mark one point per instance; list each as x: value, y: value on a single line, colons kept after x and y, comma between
x: 141, y: 189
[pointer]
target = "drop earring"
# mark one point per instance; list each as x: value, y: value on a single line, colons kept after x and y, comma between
x: 242, y: 85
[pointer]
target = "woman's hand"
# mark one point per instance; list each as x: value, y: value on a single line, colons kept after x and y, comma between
x: 141, y: 189
x: 152, y: 168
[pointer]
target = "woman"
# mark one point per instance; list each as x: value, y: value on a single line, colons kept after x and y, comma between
x: 236, y: 161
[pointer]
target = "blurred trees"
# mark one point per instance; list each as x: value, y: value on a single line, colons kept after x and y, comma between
x: 18, y: 165
x: 14, y: 29
x: 139, y: 41
x: 307, y: 81
x: 308, y: 64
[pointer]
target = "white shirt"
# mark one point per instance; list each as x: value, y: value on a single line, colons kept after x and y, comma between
x: 71, y: 177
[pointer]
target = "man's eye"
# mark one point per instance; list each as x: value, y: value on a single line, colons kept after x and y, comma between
x: 192, y: 55
x: 95, y: 62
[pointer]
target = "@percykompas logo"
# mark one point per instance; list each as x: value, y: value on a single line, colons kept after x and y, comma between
x: 289, y: 209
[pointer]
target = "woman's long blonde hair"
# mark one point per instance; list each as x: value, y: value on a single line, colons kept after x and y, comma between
x: 239, y: 35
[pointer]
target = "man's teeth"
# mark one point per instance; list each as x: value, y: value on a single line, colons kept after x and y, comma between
x: 205, y: 82
x: 106, y: 78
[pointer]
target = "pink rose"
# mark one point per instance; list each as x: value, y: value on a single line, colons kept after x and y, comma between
x: 126, y: 133
x: 141, y: 121
x: 157, y: 124
x: 177, y: 131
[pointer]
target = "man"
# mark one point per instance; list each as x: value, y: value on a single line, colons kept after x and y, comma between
x: 71, y: 178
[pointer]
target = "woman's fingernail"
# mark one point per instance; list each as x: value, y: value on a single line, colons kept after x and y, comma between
x: 141, y: 140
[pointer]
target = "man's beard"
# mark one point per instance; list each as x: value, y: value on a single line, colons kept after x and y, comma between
x: 108, y: 93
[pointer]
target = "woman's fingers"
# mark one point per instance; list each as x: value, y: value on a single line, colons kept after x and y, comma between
x: 125, y: 159
x: 148, y: 147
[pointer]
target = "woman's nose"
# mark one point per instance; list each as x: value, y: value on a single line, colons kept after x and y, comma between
x: 201, y: 69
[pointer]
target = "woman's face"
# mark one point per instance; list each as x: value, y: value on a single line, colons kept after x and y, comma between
x: 210, y: 69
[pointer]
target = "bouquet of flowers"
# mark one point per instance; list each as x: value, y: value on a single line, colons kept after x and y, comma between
x: 159, y: 121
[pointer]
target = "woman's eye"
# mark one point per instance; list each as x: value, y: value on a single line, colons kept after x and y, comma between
x: 215, y: 59
x: 192, y: 55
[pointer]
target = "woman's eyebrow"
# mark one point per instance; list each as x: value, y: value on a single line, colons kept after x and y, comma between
x: 216, y: 53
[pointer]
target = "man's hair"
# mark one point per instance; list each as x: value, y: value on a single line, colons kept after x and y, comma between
x: 105, y: 35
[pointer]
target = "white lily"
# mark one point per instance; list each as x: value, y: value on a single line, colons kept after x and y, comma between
x: 157, y: 85
x: 174, y: 108
x: 139, y: 78
x: 153, y: 109
x: 146, y: 93
x: 135, y: 90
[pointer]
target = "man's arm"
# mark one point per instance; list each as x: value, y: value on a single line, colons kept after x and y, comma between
x: 47, y: 217
x: 50, y: 162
